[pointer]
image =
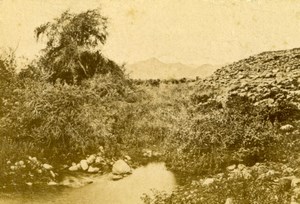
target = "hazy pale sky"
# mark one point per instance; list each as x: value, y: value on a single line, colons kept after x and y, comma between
x: 187, y: 31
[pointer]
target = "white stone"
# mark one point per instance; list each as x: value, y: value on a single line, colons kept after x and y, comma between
x: 116, y: 177
x: 98, y: 160
x: 52, y: 174
x: 47, y: 166
x: 101, y: 149
x: 78, y: 166
x: 127, y: 157
x: 286, y: 127
x: 93, y: 169
x: 91, y: 159
x: 73, y: 168
x: 121, y: 167
x: 232, y: 167
x: 84, y: 165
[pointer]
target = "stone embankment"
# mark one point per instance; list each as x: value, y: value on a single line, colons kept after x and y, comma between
x: 268, y: 78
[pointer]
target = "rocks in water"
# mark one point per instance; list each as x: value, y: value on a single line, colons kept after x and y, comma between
x: 116, y: 177
x: 93, y: 169
x: 98, y: 160
x: 47, y: 166
x: 84, y: 165
x: 121, y: 167
x: 73, y: 168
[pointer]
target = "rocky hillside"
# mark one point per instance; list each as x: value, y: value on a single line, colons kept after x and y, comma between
x: 267, y: 78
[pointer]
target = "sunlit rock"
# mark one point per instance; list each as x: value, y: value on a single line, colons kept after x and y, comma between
x: 121, y: 167
x: 84, y: 165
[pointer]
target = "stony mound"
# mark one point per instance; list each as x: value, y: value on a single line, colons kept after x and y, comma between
x: 267, y: 78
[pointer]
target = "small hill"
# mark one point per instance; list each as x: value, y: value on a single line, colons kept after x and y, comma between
x: 155, y: 69
x: 267, y: 78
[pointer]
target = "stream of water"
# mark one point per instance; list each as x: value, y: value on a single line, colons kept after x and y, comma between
x: 103, y: 190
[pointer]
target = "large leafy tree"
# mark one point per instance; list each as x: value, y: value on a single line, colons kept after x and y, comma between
x: 73, y: 47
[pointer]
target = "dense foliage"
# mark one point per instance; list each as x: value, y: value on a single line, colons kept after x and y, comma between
x: 73, y: 47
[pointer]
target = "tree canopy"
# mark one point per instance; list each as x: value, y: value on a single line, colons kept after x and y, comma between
x: 73, y: 47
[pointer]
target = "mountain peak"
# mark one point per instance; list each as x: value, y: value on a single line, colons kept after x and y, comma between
x: 153, y: 68
x: 152, y: 60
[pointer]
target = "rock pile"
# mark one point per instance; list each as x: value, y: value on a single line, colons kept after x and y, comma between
x: 267, y: 78
x: 30, y: 170
x: 91, y: 164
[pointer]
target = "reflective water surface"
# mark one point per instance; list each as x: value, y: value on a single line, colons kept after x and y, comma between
x: 103, y: 190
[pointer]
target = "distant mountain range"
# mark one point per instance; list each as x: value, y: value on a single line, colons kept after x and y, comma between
x: 155, y: 69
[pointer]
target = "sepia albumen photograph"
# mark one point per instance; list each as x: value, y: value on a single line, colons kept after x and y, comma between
x: 149, y: 101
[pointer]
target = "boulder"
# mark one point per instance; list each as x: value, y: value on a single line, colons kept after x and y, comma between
x: 91, y: 159
x: 116, y: 177
x: 84, y: 165
x: 73, y: 168
x: 121, y: 167
x: 52, y: 174
x: 47, y: 166
x: 93, y: 169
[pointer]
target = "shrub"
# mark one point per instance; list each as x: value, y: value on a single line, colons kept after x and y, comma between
x: 240, y: 190
x: 206, y: 142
